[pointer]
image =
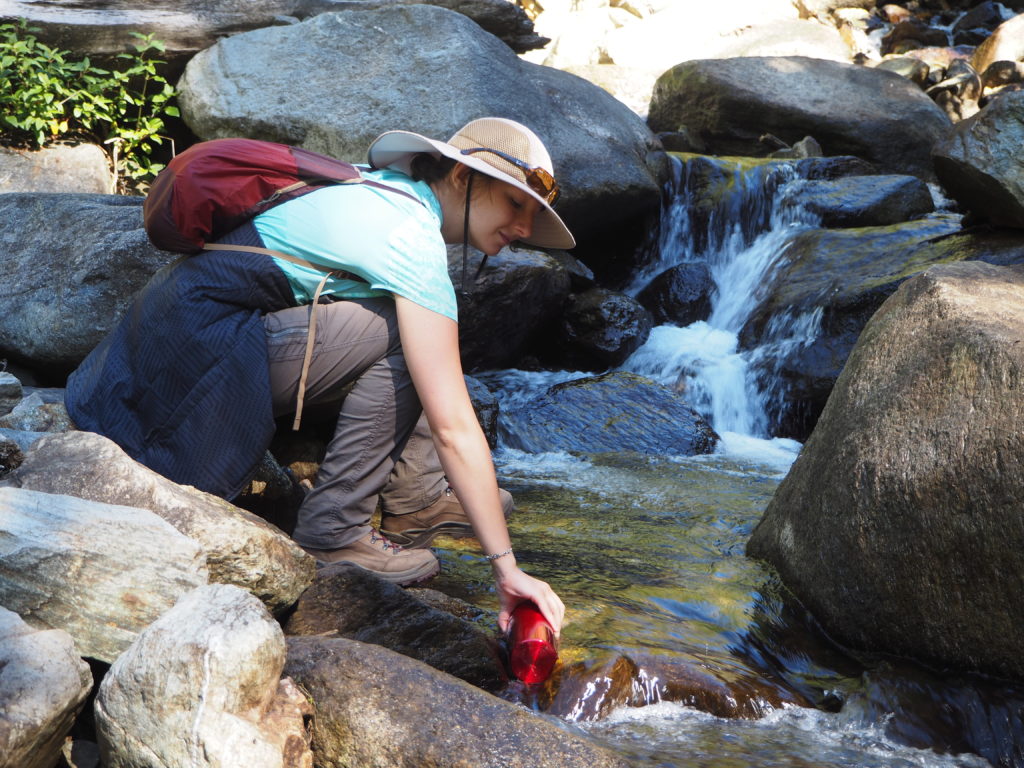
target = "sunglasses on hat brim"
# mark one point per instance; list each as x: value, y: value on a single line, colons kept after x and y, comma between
x: 538, y: 179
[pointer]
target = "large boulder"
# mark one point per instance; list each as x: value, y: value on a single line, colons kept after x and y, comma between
x: 43, y: 685
x: 362, y: 691
x: 899, y: 525
x: 71, y: 265
x: 202, y: 686
x: 980, y: 164
x: 100, y: 572
x: 617, y: 411
x: 240, y: 548
x: 104, y: 27
x: 330, y: 84
x: 850, y: 110
x: 349, y: 601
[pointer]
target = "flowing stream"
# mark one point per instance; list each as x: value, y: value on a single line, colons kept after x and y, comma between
x: 648, y: 552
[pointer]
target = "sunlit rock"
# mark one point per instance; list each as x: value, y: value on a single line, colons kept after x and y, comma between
x: 60, y: 168
x: 850, y: 110
x: 128, y: 566
x: 239, y: 548
x: 348, y: 601
x: 361, y: 691
x: 614, y: 412
x: 899, y: 526
x: 43, y: 685
x: 202, y: 687
x: 981, y: 165
x: 1005, y: 44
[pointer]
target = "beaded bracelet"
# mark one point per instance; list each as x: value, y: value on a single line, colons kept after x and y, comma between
x: 490, y: 558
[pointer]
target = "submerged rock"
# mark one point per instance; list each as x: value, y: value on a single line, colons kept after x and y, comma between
x: 614, y: 412
x: 899, y: 525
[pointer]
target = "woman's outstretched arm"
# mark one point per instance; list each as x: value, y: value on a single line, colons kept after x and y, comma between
x: 430, y: 342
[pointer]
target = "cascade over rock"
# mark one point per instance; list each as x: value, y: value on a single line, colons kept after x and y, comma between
x: 899, y: 526
x: 730, y: 104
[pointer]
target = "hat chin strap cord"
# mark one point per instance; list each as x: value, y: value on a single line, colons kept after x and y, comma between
x: 465, y: 237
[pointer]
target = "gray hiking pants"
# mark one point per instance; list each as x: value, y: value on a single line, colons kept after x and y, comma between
x: 381, y: 448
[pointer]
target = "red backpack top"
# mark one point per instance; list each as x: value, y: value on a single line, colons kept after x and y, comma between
x: 214, y: 186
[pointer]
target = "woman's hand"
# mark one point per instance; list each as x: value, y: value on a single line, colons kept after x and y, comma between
x: 515, y: 586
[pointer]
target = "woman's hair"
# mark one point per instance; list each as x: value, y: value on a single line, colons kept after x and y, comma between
x: 426, y: 167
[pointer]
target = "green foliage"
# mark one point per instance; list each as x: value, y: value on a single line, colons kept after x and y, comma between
x: 46, y: 97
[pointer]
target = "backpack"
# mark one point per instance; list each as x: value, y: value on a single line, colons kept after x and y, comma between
x: 214, y: 186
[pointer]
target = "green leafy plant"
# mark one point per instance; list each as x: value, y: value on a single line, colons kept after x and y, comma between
x: 46, y: 97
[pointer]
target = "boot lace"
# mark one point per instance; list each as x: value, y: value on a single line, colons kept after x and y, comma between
x: 387, y: 544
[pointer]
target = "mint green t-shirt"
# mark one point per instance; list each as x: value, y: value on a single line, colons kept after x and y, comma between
x: 390, y: 240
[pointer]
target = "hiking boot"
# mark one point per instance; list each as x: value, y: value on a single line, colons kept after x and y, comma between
x: 378, y: 555
x: 445, y: 516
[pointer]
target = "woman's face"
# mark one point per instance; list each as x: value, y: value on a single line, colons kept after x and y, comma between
x: 500, y: 215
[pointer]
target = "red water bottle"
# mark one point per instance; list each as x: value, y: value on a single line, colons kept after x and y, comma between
x: 531, y: 643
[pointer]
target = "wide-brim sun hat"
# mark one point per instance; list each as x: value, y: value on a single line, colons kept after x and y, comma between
x: 396, y: 149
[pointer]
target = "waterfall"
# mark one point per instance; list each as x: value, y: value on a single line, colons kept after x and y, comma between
x: 732, y: 215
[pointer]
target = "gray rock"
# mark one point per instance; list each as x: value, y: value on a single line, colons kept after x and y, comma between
x: 679, y: 295
x: 60, y: 168
x: 517, y: 295
x: 349, y: 601
x: 10, y: 392
x: 71, y: 265
x: 202, y: 686
x: 614, y: 412
x: 185, y: 27
x: 898, y: 525
x: 850, y: 110
x: 599, y: 330
x: 43, y: 685
x: 361, y: 691
x: 330, y: 84
x: 980, y: 164
x: 485, y: 403
x: 239, y: 548
x: 914, y: 70
x: 33, y: 414
x: 126, y: 565
x: 862, y: 201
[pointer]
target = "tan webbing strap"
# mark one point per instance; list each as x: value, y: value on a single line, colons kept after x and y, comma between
x: 311, y: 333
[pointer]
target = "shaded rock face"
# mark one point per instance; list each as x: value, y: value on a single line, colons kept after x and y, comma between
x: 240, y: 548
x: 377, y: 707
x: 832, y: 282
x: 899, y: 526
x: 43, y: 685
x: 201, y: 686
x: 862, y: 201
x: 613, y: 412
x: 129, y: 567
x: 516, y: 296
x: 348, y: 601
x: 680, y: 295
x: 71, y: 265
x: 980, y: 164
x: 599, y: 330
x: 246, y: 85
x: 850, y: 110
